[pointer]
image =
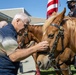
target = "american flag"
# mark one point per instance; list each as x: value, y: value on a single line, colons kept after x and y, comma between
x: 52, y: 6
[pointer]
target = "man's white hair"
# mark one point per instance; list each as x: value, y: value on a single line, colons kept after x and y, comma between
x: 22, y: 16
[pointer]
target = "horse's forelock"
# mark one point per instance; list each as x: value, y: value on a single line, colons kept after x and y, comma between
x: 48, y: 22
x: 52, y: 18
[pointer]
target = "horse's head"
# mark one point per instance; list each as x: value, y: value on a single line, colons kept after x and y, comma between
x: 23, y: 37
x: 26, y: 35
x: 53, y: 32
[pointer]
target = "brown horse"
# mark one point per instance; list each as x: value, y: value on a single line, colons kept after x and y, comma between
x: 27, y: 34
x: 60, y: 32
x: 35, y: 33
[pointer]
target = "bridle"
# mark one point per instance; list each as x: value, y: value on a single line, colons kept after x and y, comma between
x: 28, y: 36
x: 59, y: 35
x: 51, y: 53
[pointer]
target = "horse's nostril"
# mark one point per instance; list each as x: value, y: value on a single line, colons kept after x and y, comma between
x: 39, y: 63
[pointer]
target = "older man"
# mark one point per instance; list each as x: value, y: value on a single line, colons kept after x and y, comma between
x: 9, y: 55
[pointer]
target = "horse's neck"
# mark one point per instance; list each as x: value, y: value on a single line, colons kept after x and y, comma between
x: 36, y: 30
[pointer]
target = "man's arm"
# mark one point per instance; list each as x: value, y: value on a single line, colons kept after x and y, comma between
x: 74, y: 13
x: 21, y: 54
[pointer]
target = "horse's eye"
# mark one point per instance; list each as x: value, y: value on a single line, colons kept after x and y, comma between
x: 25, y: 33
x: 51, y: 36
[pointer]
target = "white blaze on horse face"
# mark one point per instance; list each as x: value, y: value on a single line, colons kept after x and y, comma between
x: 44, y: 33
x: 46, y: 62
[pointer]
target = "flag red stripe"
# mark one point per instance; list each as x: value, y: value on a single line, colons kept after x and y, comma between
x: 52, y: 2
x: 51, y: 11
x: 52, y: 6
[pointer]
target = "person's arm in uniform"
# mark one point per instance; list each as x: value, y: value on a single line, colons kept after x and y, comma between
x: 74, y: 13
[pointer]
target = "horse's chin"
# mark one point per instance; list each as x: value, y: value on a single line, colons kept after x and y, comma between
x: 45, y: 64
x: 44, y: 67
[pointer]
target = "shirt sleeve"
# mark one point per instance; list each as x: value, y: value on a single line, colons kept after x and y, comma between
x: 2, y: 50
x: 8, y: 39
x: 9, y: 45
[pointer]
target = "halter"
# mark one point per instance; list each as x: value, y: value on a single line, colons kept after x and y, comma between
x: 24, y: 34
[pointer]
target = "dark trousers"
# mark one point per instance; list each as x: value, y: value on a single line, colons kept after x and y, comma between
x: 7, y: 67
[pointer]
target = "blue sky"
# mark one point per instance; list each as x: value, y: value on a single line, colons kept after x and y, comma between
x: 37, y: 8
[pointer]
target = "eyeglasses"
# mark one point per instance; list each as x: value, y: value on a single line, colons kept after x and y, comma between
x: 25, y: 24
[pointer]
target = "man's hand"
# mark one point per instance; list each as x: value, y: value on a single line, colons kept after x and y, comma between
x: 42, y: 46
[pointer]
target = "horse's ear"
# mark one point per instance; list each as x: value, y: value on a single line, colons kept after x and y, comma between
x: 54, y: 13
x: 54, y: 18
x: 49, y: 21
x: 60, y: 17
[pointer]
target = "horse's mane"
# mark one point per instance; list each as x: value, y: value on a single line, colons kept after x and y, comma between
x: 71, y: 26
x: 48, y: 22
x: 37, y: 28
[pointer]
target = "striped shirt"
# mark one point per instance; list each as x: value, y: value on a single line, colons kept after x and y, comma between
x: 8, y: 39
